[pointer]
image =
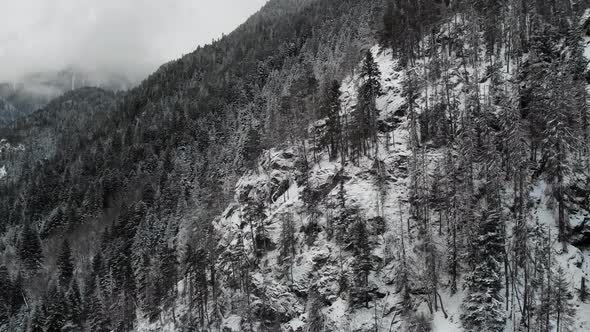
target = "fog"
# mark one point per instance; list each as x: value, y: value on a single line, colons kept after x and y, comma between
x: 127, y: 37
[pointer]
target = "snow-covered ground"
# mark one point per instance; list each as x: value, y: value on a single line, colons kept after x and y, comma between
x: 320, y: 262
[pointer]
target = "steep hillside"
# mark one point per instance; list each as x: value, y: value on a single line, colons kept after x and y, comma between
x: 7, y: 111
x: 164, y: 165
x: 329, y: 166
x: 310, y: 243
x: 48, y: 132
x: 33, y: 91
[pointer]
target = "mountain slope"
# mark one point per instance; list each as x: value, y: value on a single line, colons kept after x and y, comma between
x: 176, y: 144
x: 283, y: 178
x: 288, y: 256
x: 322, y: 208
x: 34, y: 91
x: 47, y: 133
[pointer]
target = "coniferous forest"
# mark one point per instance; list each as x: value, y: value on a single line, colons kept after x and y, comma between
x: 350, y: 165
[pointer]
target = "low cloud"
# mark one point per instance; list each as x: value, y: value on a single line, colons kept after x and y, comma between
x: 128, y: 37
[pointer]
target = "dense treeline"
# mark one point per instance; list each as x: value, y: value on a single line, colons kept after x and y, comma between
x: 114, y: 204
x: 516, y: 132
x: 125, y: 194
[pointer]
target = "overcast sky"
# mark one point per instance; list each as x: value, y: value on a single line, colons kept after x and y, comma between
x: 128, y: 36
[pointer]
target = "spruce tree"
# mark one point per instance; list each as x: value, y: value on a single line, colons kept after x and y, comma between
x: 251, y: 148
x: 29, y: 250
x: 5, y: 292
x: 18, y: 293
x: 74, y: 304
x: 167, y: 277
x: 563, y: 309
x: 97, y: 317
x: 331, y: 109
x: 315, y: 318
x: 583, y: 292
x: 65, y: 265
x: 56, y: 310
x: 288, y: 244
x: 362, y: 263
x: 366, y: 113
x: 482, y: 306
x: 37, y: 319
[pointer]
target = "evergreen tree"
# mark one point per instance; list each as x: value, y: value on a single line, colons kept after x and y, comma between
x: 93, y: 278
x: 560, y: 137
x: 65, y: 265
x: 18, y: 293
x: 315, y: 318
x: 366, y: 112
x: 331, y: 109
x: 288, y: 243
x: 97, y: 318
x: 167, y: 274
x: 5, y: 294
x: 74, y: 304
x: 482, y: 307
x: 563, y: 309
x: 37, y: 319
x: 56, y: 310
x: 362, y: 263
x: 583, y: 292
x: 30, y: 252
x: 252, y: 147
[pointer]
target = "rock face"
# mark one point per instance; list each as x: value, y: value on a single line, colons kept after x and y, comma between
x: 417, y: 221
x: 295, y: 218
x: 580, y: 233
x: 303, y: 204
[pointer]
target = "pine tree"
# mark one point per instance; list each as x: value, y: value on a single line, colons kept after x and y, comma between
x: 560, y: 135
x: 583, y: 292
x: 452, y: 258
x: 93, y: 279
x: 366, y: 113
x: 563, y: 309
x: 362, y: 263
x: 288, y: 243
x: 37, y: 319
x: 391, y: 25
x: 65, y: 265
x: 331, y: 109
x: 30, y: 252
x: 482, y: 307
x: 315, y: 318
x: 148, y: 195
x: 167, y: 273
x: 17, y: 298
x: 97, y: 317
x: 56, y: 311
x: 252, y: 147
x: 74, y: 304
x: 5, y: 292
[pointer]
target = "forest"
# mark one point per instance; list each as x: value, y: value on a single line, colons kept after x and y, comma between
x: 351, y: 165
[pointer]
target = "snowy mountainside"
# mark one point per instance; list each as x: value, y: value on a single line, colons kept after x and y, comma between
x: 7, y: 153
x: 293, y: 223
x: 280, y: 184
x: 294, y: 176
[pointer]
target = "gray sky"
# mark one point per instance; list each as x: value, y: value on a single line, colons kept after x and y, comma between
x: 128, y: 36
